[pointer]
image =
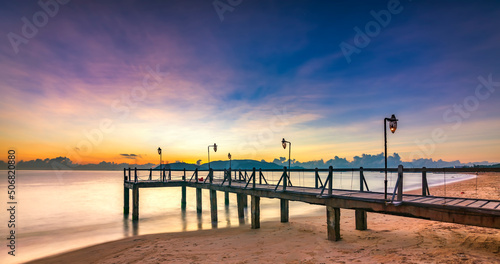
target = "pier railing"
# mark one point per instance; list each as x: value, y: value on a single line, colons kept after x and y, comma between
x: 282, y: 178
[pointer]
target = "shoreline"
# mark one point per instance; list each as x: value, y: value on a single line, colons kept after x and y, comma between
x: 389, y: 239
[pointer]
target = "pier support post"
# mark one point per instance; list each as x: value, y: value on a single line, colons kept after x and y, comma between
x: 126, y: 201
x: 183, y: 189
x: 213, y: 205
x: 255, y: 200
x: 183, y: 197
x: 198, y: 200
x: 333, y: 223
x: 226, y: 198
x: 284, y: 204
x: 135, y: 203
x: 245, y: 200
x: 361, y: 219
x: 241, y: 209
x: 400, y: 183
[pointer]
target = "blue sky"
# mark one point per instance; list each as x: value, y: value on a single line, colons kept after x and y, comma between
x: 172, y: 74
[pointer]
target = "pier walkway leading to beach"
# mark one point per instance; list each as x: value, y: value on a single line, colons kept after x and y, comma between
x: 477, y: 212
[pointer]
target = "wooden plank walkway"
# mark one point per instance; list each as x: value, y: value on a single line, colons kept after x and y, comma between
x: 478, y: 212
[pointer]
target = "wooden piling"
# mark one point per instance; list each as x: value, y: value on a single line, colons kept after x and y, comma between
x: 333, y: 223
x: 400, y: 183
x: 183, y: 188
x: 360, y: 215
x: 284, y: 205
x: 198, y: 200
x: 245, y: 200
x: 135, y: 203
x: 316, y: 178
x: 330, y: 180
x: 241, y: 209
x: 361, y: 219
x: 425, y: 185
x: 255, y: 200
x: 126, y: 201
x: 213, y: 205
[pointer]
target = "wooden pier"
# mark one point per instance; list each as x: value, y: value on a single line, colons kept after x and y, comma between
x: 477, y: 212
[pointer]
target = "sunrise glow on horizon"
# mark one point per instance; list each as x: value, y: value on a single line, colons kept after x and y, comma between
x: 113, y: 81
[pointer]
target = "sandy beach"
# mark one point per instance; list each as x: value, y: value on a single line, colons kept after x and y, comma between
x: 389, y: 239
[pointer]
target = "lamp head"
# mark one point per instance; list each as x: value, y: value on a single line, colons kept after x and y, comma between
x: 283, y: 143
x: 393, y: 125
x: 229, y: 155
x: 215, y: 147
x: 159, y: 151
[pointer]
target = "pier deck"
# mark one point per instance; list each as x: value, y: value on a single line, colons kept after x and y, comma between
x: 478, y: 212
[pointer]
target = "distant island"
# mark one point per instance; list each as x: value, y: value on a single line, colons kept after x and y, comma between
x: 365, y: 160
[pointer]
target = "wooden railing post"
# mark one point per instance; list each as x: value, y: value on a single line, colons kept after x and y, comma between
x: 330, y: 180
x: 361, y: 179
x: 425, y: 186
x: 150, y: 173
x: 316, y: 180
x: 400, y: 183
x: 135, y: 174
x: 285, y: 178
x: 253, y: 180
x: 129, y: 174
x: 124, y: 174
x: 211, y: 175
x: 260, y: 176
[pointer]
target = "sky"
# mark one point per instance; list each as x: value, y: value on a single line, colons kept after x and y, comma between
x: 115, y: 80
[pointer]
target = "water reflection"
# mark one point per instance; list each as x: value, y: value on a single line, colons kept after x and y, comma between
x: 183, y: 219
x: 228, y: 216
x: 199, y: 216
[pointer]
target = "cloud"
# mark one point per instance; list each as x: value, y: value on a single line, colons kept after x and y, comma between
x: 131, y: 156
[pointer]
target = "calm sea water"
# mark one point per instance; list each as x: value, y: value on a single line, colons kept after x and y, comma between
x: 57, y: 213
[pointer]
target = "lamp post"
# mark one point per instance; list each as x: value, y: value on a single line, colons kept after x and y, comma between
x: 229, y: 156
x: 215, y: 149
x: 159, y: 152
x: 283, y: 143
x: 393, y: 125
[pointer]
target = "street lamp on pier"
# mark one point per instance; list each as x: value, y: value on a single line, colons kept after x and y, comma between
x: 393, y: 125
x: 159, y: 152
x: 283, y: 143
x: 215, y: 149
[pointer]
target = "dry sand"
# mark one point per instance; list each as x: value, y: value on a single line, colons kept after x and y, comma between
x: 389, y: 239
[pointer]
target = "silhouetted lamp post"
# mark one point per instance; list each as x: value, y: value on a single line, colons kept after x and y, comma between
x: 283, y: 143
x: 215, y: 149
x: 229, y: 156
x: 159, y: 152
x: 393, y: 125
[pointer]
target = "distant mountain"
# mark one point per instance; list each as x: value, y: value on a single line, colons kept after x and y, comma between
x: 224, y: 164
x: 177, y: 166
x: 365, y: 160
